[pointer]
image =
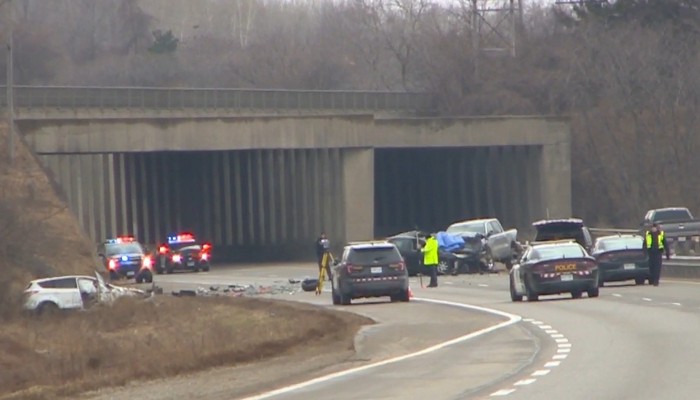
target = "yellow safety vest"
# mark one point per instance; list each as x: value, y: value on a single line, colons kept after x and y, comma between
x: 430, y: 252
x: 660, y: 238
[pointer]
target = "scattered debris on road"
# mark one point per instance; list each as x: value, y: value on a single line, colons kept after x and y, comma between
x: 292, y: 286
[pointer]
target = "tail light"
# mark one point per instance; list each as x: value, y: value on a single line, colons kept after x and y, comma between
x: 588, y: 265
x: 177, y: 258
x: 204, y: 256
x: 147, y: 262
x: 206, y: 247
x: 354, y: 268
x: 163, y: 249
x: 400, y: 266
x: 112, y: 264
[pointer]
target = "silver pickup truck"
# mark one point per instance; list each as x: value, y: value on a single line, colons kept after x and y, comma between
x: 674, y: 221
x: 498, y: 244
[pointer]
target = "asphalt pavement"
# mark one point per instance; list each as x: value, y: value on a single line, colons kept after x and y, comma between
x: 632, y: 342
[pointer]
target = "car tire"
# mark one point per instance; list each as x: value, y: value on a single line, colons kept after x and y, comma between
x: 47, y: 308
x: 309, y: 285
x: 514, y: 296
x: 639, y: 281
x: 403, y: 296
x: 442, y: 267
x: 139, y: 278
x: 576, y: 294
x: 530, y: 294
x: 345, y: 299
x: 148, y: 278
x: 593, y: 292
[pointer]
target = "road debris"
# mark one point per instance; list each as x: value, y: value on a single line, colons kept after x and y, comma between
x: 290, y: 287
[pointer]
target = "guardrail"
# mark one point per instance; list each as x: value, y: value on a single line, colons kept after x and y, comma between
x: 182, y: 98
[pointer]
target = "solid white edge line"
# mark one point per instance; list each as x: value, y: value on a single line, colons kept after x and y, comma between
x: 502, y: 392
x: 512, y: 319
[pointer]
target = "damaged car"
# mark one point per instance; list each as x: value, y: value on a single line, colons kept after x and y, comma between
x: 73, y: 292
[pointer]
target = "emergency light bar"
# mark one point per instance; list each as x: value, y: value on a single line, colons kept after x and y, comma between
x: 120, y: 239
x: 183, y: 237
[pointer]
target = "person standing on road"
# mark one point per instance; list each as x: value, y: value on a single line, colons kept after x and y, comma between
x: 323, y: 245
x: 430, y: 258
x: 655, y: 246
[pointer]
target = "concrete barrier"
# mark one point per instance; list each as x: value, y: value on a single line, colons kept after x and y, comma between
x: 674, y: 269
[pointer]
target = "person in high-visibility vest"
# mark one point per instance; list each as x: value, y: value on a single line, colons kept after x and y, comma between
x: 655, y: 246
x: 430, y: 258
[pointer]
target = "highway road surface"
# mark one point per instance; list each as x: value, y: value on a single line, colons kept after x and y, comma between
x: 633, y: 342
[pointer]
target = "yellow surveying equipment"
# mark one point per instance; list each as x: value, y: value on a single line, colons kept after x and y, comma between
x: 326, y: 261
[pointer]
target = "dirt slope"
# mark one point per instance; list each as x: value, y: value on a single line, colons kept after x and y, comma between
x: 39, y: 235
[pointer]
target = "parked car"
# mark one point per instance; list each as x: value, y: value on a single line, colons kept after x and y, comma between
x: 182, y: 251
x: 621, y: 258
x: 73, y: 292
x: 560, y: 229
x: 410, y: 244
x: 487, y: 239
x: 553, y: 268
x: 370, y: 269
x: 674, y: 221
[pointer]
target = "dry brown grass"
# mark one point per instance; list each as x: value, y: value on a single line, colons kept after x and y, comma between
x: 49, y: 357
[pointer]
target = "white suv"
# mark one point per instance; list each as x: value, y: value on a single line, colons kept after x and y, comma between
x: 75, y: 292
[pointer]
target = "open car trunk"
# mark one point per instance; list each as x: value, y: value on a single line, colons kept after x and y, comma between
x: 560, y: 230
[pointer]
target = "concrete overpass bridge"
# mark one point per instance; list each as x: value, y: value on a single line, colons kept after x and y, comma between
x: 264, y: 171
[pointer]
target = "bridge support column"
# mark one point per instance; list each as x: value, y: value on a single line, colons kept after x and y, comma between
x: 555, y: 173
x: 358, y: 194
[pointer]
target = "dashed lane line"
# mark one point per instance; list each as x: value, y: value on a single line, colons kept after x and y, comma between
x: 563, y: 350
x: 677, y: 304
x: 616, y: 295
x: 646, y: 299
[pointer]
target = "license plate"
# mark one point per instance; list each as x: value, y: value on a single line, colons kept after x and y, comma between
x: 567, y: 277
x: 376, y: 270
x: 681, y: 239
x: 630, y: 266
x: 130, y: 273
x: 190, y: 263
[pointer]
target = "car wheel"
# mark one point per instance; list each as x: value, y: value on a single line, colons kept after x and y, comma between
x: 149, y: 277
x: 639, y: 281
x: 345, y: 299
x: 593, y: 292
x: 47, y: 308
x: 139, y: 278
x: 403, y: 296
x: 442, y: 267
x: 576, y: 294
x: 514, y: 296
x: 529, y: 293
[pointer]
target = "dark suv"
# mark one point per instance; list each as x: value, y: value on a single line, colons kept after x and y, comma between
x: 370, y: 269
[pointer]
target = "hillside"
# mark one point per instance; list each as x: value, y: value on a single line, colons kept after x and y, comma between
x: 39, y: 235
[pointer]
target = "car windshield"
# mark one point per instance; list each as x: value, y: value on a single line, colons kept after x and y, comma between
x: 557, y: 252
x: 467, y: 227
x: 671, y: 215
x: 374, y: 255
x: 622, y: 243
x: 122, y: 248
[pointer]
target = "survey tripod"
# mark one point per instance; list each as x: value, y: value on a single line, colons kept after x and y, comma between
x: 326, y: 261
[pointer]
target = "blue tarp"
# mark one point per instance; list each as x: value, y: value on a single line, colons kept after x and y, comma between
x: 449, y: 242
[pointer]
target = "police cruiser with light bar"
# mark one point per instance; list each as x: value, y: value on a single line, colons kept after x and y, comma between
x: 124, y: 256
x: 182, y: 252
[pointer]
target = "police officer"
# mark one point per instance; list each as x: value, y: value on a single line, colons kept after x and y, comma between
x: 430, y: 258
x: 655, y: 246
x: 323, y: 245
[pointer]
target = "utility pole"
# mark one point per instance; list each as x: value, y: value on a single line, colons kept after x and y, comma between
x: 503, y: 23
x: 10, y: 82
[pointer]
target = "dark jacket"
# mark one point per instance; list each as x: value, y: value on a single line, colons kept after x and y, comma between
x: 654, y: 248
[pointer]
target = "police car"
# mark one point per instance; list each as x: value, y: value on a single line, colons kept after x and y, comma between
x: 124, y: 256
x: 182, y: 252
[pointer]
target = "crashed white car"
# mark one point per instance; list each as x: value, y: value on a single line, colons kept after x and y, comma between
x: 76, y: 292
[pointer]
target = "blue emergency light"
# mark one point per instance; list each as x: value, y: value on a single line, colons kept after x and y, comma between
x: 183, y: 237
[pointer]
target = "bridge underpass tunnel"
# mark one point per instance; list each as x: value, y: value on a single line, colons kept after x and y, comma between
x: 432, y: 188
x: 251, y: 204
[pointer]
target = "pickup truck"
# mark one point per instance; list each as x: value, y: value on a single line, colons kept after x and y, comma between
x: 674, y: 221
x: 496, y: 243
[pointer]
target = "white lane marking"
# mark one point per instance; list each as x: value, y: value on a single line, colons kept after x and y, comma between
x: 537, y: 322
x: 564, y: 345
x: 676, y: 304
x: 550, y: 331
x: 559, y: 356
x: 512, y: 319
x: 541, y: 372
x: 616, y: 295
x: 524, y: 382
x: 556, y: 335
x: 528, y: 320
x: 552, y: 364
x: 646, y: 299
x: 564, y: 350
x: 483, y: 285
x: 545, y: 327
x: 561, y: 340
x: 502, y: 392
